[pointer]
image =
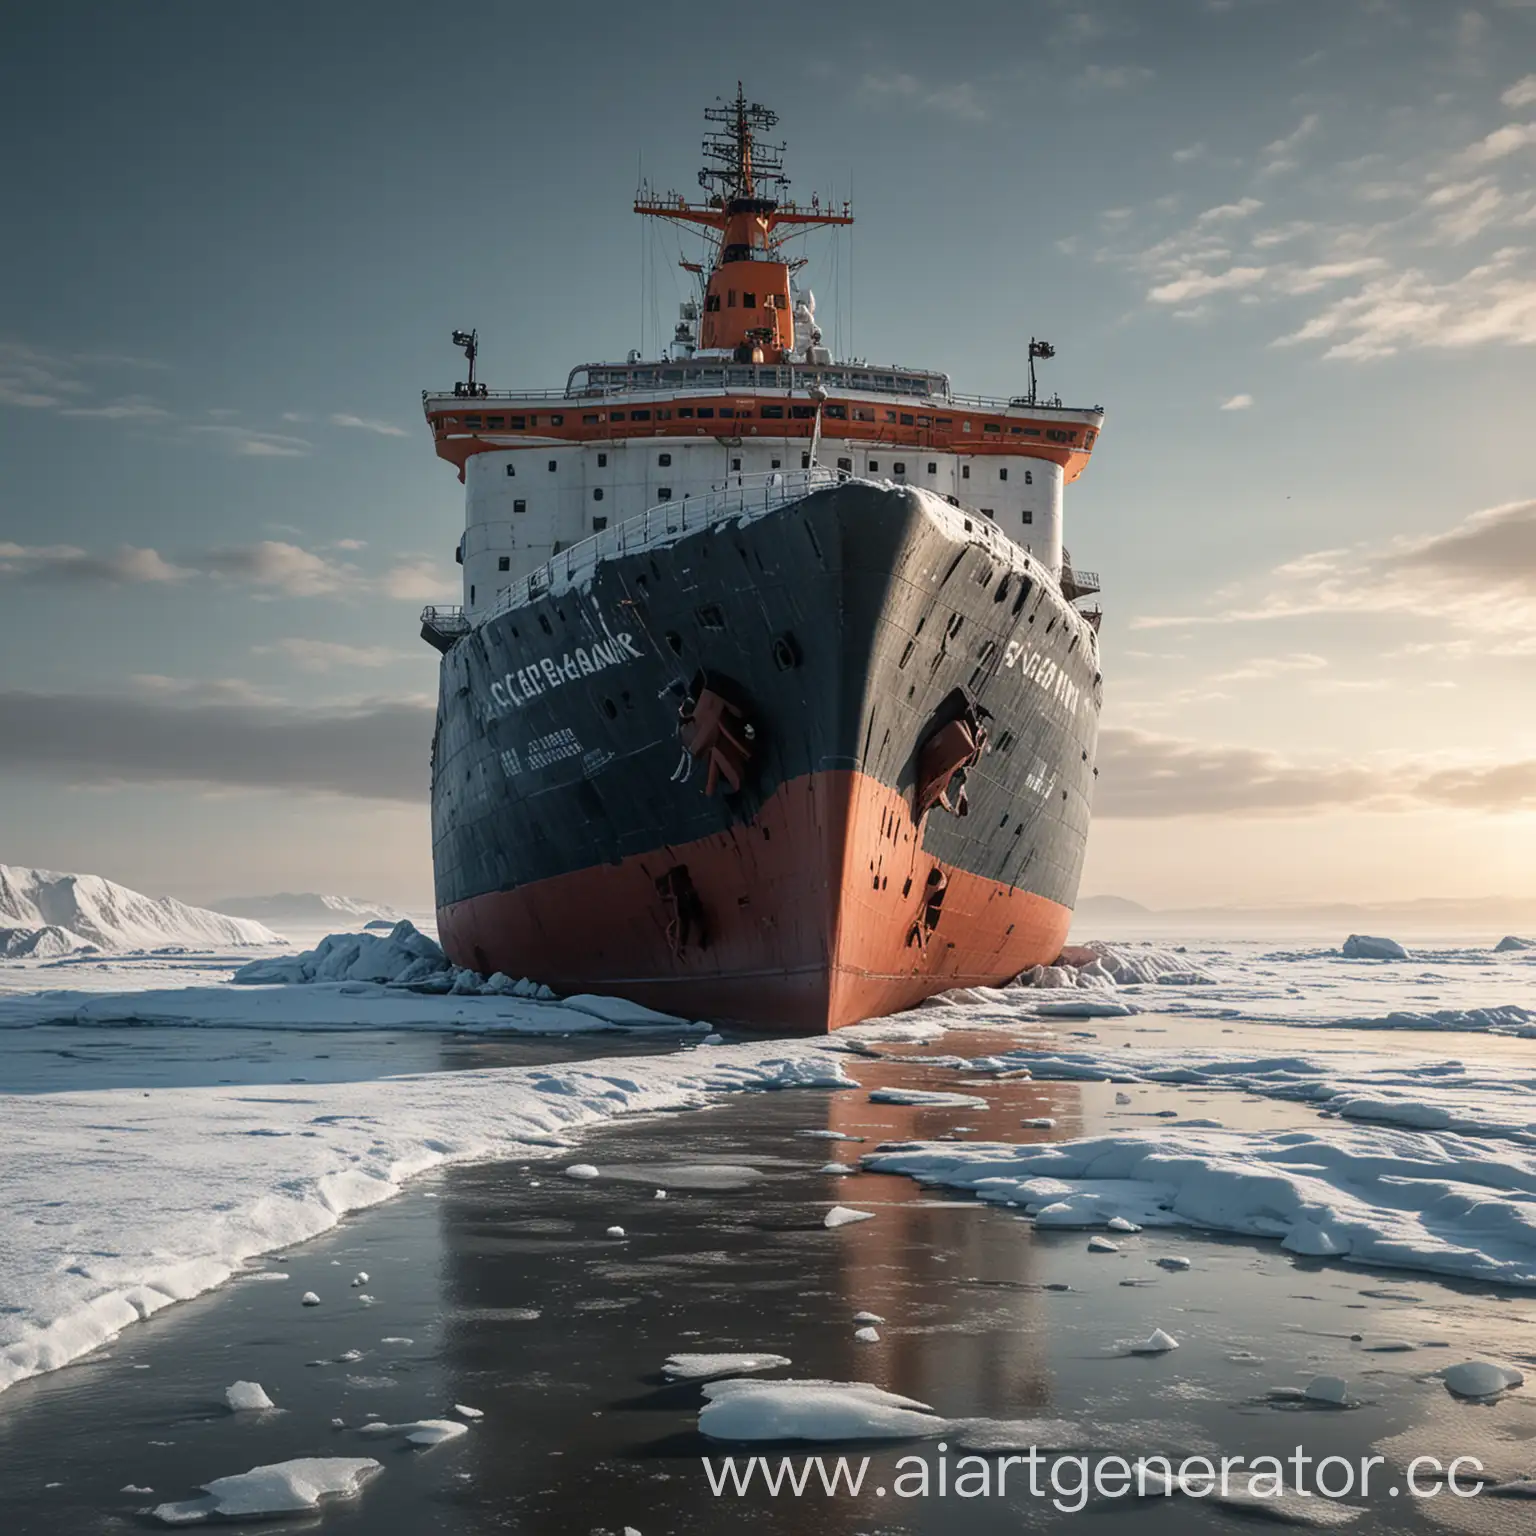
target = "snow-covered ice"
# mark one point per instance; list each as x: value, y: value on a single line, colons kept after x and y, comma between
x: 464, y: 1411
x: 284, y: 1488
x: 238, y: 1172
x: 926, y: 1098
x: 247, y: 1397
x: 422, y: 1432
x: 1362, y: 946
x: 1157, y: 1343
x: 697, y: 1367
x: 581, y: 1171
x: 867, y: 1335
x: 812, y: 1410
x: 1327, y: 1389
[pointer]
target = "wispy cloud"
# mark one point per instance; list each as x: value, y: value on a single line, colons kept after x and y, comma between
x: 179, y: 735
x: 1197, y: 285
x: 1280, y: 154
x: 326, y: 655
x: 125, y: 565
x: 1508, y: 140
x: 1521, y: 94
x: 367, y: 424
x: 1147, y: 776
x: 959, y: 99
x: 1236, y: 403
x: 249, y: 443
x: 1477, y: 579
x: 1113, y: 77
x: 126, y: 408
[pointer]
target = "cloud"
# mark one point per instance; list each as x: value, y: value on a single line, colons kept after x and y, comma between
x: 960, y: 100
x: 1196, y: 285
x: 1190, y: 152
x: 376, y: 750
x: 1146, y: 776
x: 1502, y: 142
x: 67, y: 562
x: 1116, y: 77
x: 283, y: 567
x: 1236, y: 403
x: 1476, y: 579
x: 418, y: 581
x: 36, y: 379
x: 1262, y: 668
x: 323, y: 655
x: 1238, y: 210
x: 1492, y: 303
x: 1521, y: 94
x: 128, y: 408
x: 1279, y: 155
x: 199, y: 690
x: 367, y: 424
x: 246, y: 442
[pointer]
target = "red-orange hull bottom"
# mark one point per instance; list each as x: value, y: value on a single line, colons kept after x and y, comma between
x: 810, y: 917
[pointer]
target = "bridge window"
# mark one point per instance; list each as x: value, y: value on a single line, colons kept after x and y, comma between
x: 749, y: 301
x: 598, y: 524
x: 639, y: 415
x: 835, y: 412
x: 711, y: 303
x: 965, y: 471
x: 1029, y: 477
x: 771, y: 412
x: 589, y: 420
x: 805, y: 461
x: 663, y: 493
x: 1002, y: 474
x: 845, y: 464
x: 735, y: 464
x: 472, y: 422
x: 519, y: 506
x: 664, y: 459
x: 511, y: 470
x: 890, y: 415
x: 863, y: 413
x: 503, y: 562
x: 554, y: 464
x: 471, y: 595
x: 906, y: 419
x: 602, y: 461
x: 774, y: 463
x: 933, y: 468
x: 615, y: 415
x: 597, y: 493
x: 874, y: 464
x: 1029, y: 515
x: 988, y: 513
x: 557, y: 421
x: 730, y: 299
x: 802, y: 412
x: 990, y: 426
x: 899, y: 467
x: 686, y: 413
x: 517, y: 422
x: 495, y: 421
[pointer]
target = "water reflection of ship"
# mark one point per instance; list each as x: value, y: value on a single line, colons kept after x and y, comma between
x: 973, y: 1354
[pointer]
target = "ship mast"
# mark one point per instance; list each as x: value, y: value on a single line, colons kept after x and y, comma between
x: 747, y: 306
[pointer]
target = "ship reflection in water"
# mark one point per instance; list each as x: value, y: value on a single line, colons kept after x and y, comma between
x: 558, y: 1332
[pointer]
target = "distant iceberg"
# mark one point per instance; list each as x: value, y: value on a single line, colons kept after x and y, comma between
x: 1361, y: 946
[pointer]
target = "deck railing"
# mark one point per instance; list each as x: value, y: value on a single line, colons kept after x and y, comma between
x: 744, y: 495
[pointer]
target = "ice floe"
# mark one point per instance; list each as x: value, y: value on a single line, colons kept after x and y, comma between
x: 422, y: 1432
x: 1362, y: 946
x: 812, y: 1410
x: 1481, y: 1378
x: 842, y: 1216
x: 926, y: 1098
x: 1157, y: 1343
x: 698, y: 1367
x: 284, y: 1488
x: 247, y: 1397
x: 238, y: 1172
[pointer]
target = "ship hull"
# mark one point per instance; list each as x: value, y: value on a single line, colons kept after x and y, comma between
x: 575, y: 841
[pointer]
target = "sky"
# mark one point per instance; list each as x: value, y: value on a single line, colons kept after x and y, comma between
x: 1287, y: 244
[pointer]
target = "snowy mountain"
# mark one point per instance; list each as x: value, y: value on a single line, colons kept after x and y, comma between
x: 43, y: 913
x: 309, y: 909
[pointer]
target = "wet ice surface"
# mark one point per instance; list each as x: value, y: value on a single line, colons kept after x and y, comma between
x: 496, y: 1287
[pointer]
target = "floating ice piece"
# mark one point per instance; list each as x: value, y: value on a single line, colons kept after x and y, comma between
x: 660, y: 1194
x: 867, y: 1335
x: 347, y: 1356
x: 829, y: 1135
x: 867, y: 1317
x: 466, y: 1412
x: 713, y: 1039
x: 581, y: 1171
x: 697, y: 1367
x: 360, y: 1278
x: 366, y: 1300
x: 1039, y: 1123
x: 1511, y: 942
x: 923, y: 1098
x: 615, y: 1232
x: 812, y: 1410
x: 1085, y: 1008
x: 1045, y: 1435
x: 1362, y: 946
x: 1172, y: 1261
x: 283, y: 1488
x: 1122, y: 1098
x: 841, y: 1216
x: 1480, y: 1378
x: 1158, y: 1344
x: 309, y: 1299
x: 338, y: 1423
x: 395, y: 1338
x: 1327, y: 1389
x: 247, y: 1397
x: 1102, y: 1245
x: 1120, y: 1224
x: 128, y: 1488
x: 423, y: 1432
x: 838, y: 1168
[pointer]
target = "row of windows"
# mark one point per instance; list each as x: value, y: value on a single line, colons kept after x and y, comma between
x: 769, y: 412
x: 899, y: 467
